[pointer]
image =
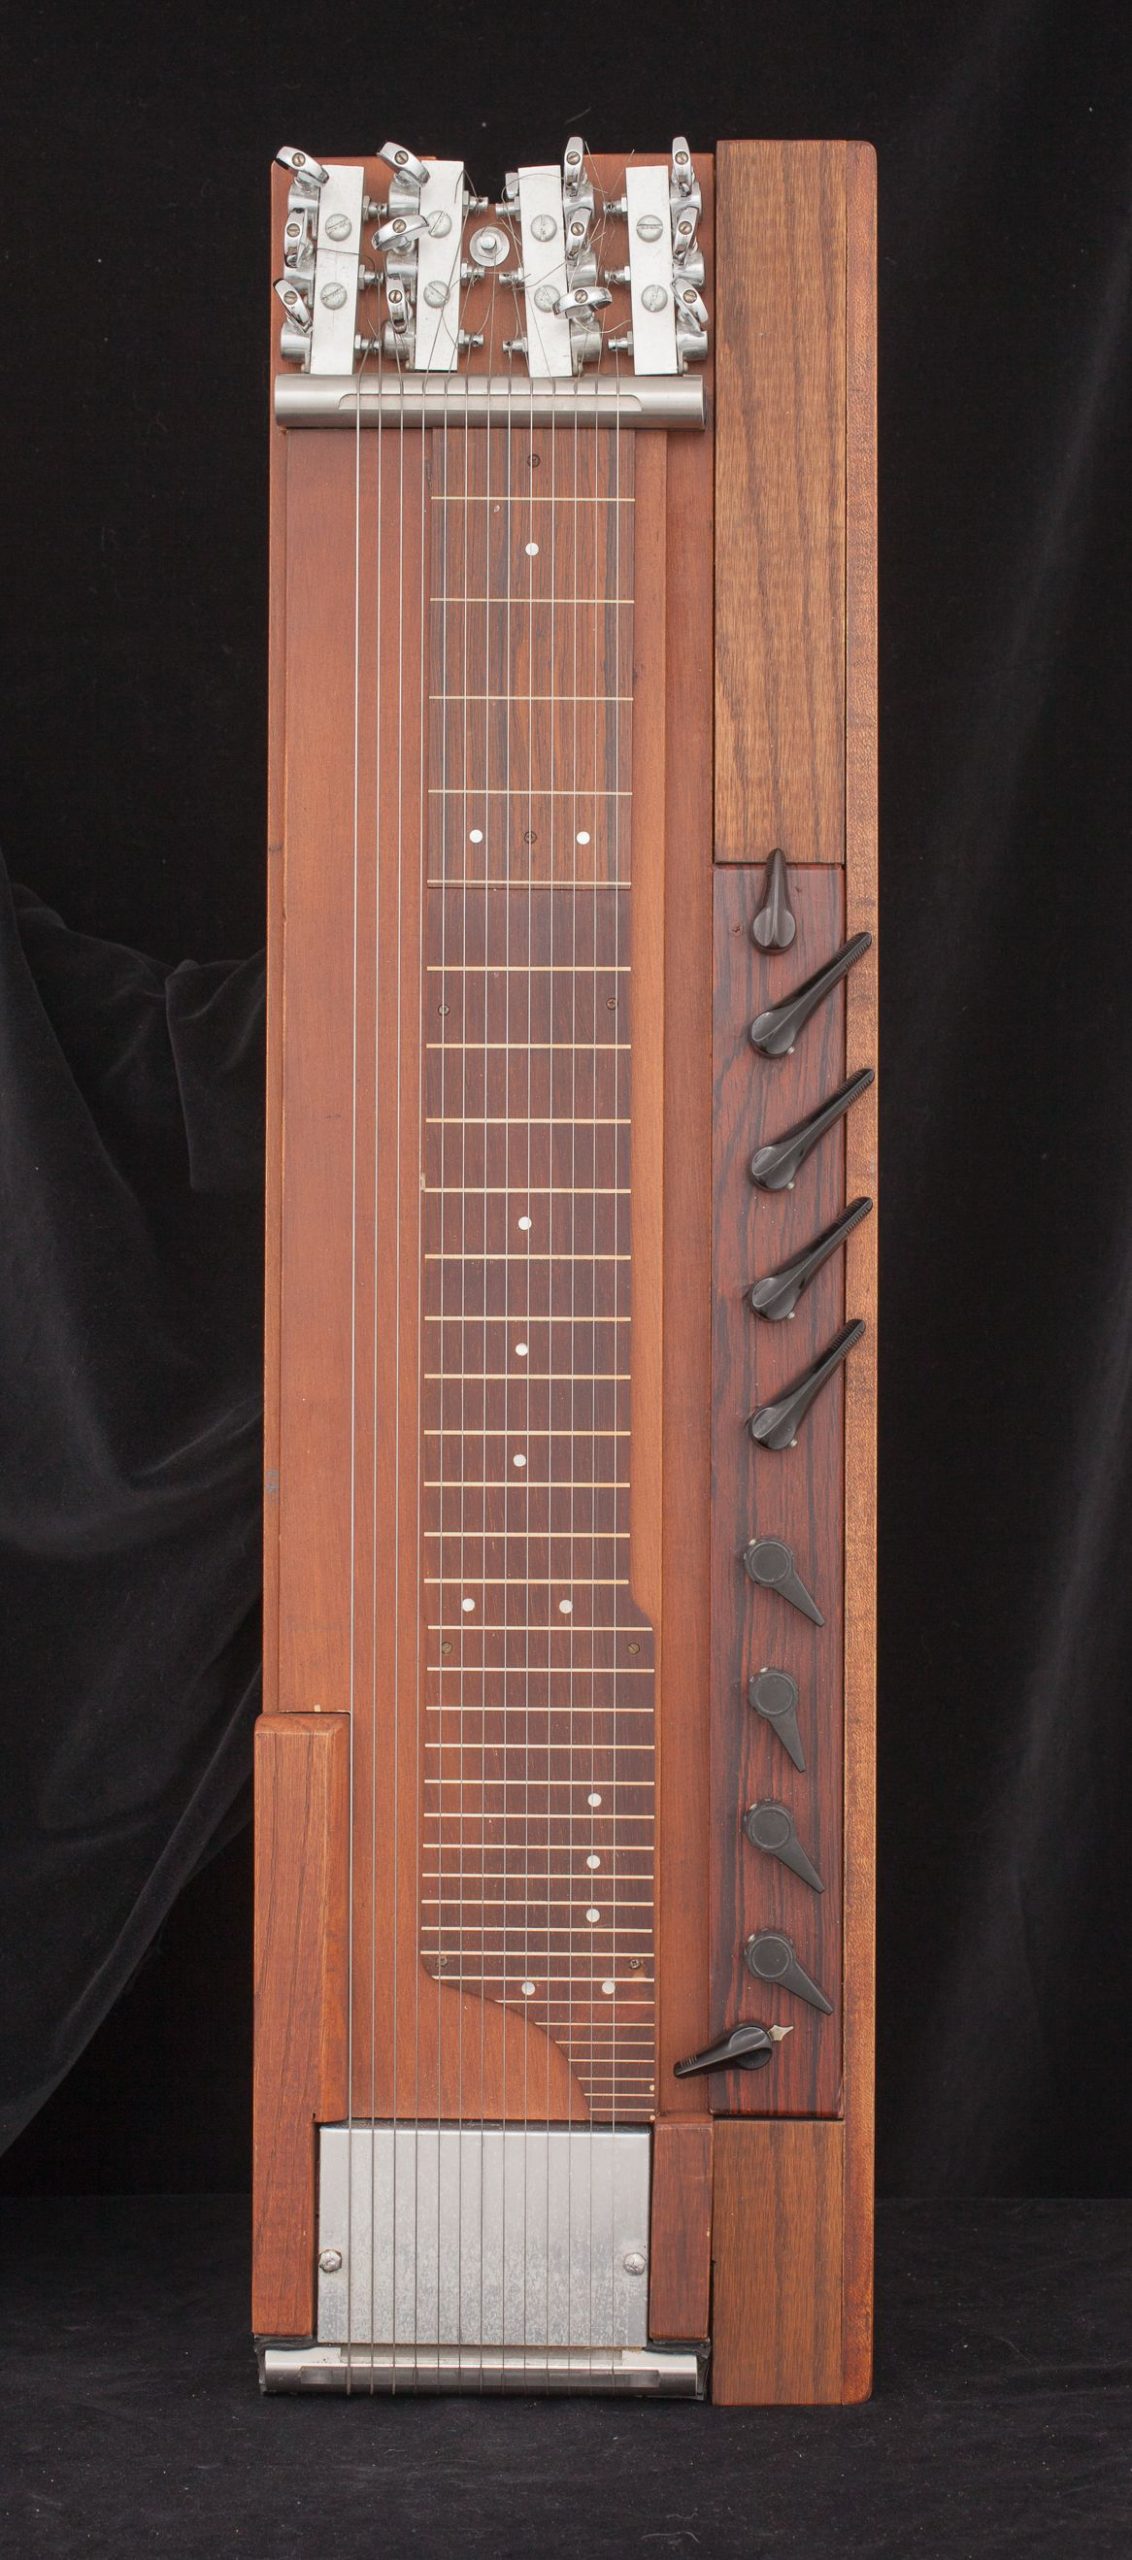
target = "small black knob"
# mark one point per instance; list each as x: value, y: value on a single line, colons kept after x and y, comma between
x: 747, y: 2048
x: 774, y: 1694
x: 774, y: 926
x: 770, y: 1563
x: 774, y: 1167
x: 770, y: 1957
x: 776, y: 1426
x: 777, y: 1294
x: 770, y: 1826
x: 774, y: 1032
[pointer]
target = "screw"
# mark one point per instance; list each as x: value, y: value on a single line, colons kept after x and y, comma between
x: 633, y: 2263
x: 649, y: 227
x: 440, y: 224
x: 543, y: 227
x: 436, y: 293
x: 546, y: 298
x: 654, y: 297
x: 333, y: 295
x: 330, y: 2260
x: 338, y: 227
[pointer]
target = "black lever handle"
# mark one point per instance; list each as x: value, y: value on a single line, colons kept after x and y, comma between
x: 776, y: 1426
x: 774, y: 1032
x: 778, y: 1293
x: 774, y: 1694
x: 774, y: 927
x: 770, y: 1564
x: 770, y: 1957
x: 770, y: 1826
x: 737, y: 2049
x: 774, y: 1167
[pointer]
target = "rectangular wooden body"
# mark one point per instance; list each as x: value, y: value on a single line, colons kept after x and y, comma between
x: 738, y: 719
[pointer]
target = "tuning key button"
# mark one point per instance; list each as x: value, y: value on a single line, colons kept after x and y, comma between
x: 774, y: 1032
x: 776, y: 1426
x: 774, y: 1695
x: 770, y: 1564
x: 770, y: 1826
x: 777, y: 1294
x: 774, y: 1167
x: 770, y: 1957
x: 774, y: 927
x: 747, y: 2048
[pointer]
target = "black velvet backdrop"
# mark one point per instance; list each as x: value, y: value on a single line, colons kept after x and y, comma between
x: 136, y: 153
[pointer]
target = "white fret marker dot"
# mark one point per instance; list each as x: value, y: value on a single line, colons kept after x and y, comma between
x: 593, y: 1861
x: 520, y: 1351
x: 518, y: 1462
x: 609, y: 1988
x: 566, y: 1608
x: 582, y: 837
x: 475, y: 835
x: 593, y: 1915
x: 595, y: 1800
x: 528, y: 1990
x: 467, y: 1604
x: 525, y: 1225
x: 531, y: 550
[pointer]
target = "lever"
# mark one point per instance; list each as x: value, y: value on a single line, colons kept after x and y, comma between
x: 774, y: 1167
x: 777, y: 1295
x: 775, y: 1426
x: 770, y: 1956
x: 770, y: 1563
x: 775, y: 1031
x: 774, y: 1694
x: 770, y: 1826
x: 775, y: 926
x: 738, y: 2049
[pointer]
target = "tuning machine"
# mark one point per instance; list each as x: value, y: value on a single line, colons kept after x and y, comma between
x: 745, y: 2048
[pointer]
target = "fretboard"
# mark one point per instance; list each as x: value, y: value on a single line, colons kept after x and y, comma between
x: 537, y: 1884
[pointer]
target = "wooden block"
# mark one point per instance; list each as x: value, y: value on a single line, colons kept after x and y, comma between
x: 780, y: 493
x: 777, y: 2264
x: 680, y: 2251
x: 302, y: 1771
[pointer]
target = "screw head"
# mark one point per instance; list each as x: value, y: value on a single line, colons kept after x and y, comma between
x: 333, y: 295
x: 439, y: 224
x: 649, y: 226
x: 654, y: 297
x: 339, y: 227
x: 330, y: 2260
x: 436, y: 293
x: 633, y: 2263
x: 543, y: 227
x: 546, y: 297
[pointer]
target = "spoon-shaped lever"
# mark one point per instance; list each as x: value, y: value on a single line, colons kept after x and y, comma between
x: 774, y: 1695
x: 774, y: 927
x: 774, y: 1167
x: 776, y: 1426
x: 738, y: 2049
x: 770, y: 1957
x: 774, y: 1032
x: 777, y: 1294
x: 770, y: 1826
x: 770, y: 1564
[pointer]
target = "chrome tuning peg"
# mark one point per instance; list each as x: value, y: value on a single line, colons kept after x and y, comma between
x: 294, y: 302
x: 581, y: 300
x: 309, y: 172
x: 399, y: 230
x: 683, y: 173
x: 573, y: 166
x: 403, y: 163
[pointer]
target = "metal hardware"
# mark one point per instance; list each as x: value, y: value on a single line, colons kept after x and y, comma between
x: 650, y: 266
x: 484, y: 399
x: 656, y: 2372
x: 549, y: 350
x: 489, y: 246
x: 775, y: 926
x: 330, y: 2260
x: 770, y: 1826
x: 438, y: 268
x: 581, y: 300
x: 336, y: 271
x: 399, y: 231
x: 775, y: 1031
x: 309, y: 172
x: 776, y: 1166
x: 683, y: 173
x: 770, y: 1564
x: 501, y: 2236
x: 770, y: 1956
x: 776, y: 1295
x: 746, y: 2048
x: 776, y: 1425
x: 404, y: 163
x: 774, y: 1695
x: 295, y: 304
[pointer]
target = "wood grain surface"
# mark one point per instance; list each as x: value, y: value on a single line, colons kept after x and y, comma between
x: 300, y: 2008
x: 777, y: 2234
